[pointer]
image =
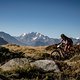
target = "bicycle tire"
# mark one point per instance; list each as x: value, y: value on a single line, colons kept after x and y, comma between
x: 55, y: 54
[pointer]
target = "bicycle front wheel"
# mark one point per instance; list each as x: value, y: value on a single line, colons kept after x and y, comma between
x: 55, y: 54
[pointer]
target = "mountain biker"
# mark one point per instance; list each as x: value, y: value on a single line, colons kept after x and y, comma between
x: 68, y: 43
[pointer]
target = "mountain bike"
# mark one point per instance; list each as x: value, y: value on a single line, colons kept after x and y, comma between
x: 59, y: 53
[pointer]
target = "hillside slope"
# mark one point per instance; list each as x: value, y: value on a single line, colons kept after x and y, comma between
x: 31, y: 63
x: 2, y: 41
x: 9, y: 38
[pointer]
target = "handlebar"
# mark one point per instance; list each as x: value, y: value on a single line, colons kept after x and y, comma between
x: 58, y: 45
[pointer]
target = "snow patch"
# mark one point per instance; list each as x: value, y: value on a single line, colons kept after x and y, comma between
x: 40, y: 35
x: 23, y: 34
x: 34, y: 38
x: 37, y: 33
x: 77, y: 38
x: 44, y: 38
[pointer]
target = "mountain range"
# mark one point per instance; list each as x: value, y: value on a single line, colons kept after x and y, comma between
x: 9, y: 38
x: 32, y: 39
x: 36, y: 39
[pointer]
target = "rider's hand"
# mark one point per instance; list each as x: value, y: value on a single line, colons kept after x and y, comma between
x: 58, y: 46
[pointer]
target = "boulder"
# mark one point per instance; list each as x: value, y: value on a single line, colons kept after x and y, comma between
x: 14, y: 64
x: 46, y: 65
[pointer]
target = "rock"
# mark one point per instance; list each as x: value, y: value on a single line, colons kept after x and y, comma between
x: 2, y: 77
x: 14, y: 64
x: 46, y: 65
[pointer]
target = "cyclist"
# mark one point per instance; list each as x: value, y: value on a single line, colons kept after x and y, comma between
x: 68, y: 43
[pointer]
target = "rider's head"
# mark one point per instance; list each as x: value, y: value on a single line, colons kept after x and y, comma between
x: 63, y: 36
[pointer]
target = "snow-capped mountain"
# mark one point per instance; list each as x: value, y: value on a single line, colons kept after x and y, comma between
x: 36, y: 39
x: 76, y: 40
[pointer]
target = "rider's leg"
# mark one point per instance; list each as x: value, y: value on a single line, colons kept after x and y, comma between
x: 65, y: 48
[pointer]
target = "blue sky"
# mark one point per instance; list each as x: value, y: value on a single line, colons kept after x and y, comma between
x: 49, y: 17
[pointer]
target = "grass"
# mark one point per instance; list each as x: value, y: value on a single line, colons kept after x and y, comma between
x: 70, y: 68
x: 34, y: 52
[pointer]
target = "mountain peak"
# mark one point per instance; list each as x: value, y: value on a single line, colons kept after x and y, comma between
x: 33, y: 34
x: 24, y: 34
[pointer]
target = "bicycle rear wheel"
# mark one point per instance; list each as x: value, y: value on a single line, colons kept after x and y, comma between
x: 71, y: 53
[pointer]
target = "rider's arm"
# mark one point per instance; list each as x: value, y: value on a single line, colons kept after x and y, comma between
x: 59, y: 44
